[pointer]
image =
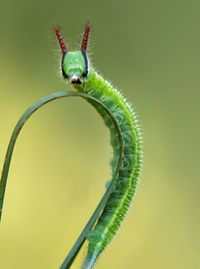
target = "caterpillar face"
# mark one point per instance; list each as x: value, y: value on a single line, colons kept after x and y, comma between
x: 75, y: 66
x: 74, y: 63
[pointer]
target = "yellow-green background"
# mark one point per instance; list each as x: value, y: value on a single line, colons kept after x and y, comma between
x: 150, y: 50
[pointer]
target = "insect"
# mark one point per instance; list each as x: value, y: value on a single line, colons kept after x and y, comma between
x: 76, y: 70
x: 125, y: 140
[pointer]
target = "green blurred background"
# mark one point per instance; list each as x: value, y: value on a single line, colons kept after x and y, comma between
x: 150, y: 50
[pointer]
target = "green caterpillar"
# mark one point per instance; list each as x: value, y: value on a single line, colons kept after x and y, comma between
x: 125, y: 140
x: 76, y: 69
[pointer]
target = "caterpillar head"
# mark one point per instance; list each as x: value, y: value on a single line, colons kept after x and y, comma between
x: 74, y: 63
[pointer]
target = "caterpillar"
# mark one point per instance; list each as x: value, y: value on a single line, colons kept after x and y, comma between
x: 76, y: 69
x: 125, y: 139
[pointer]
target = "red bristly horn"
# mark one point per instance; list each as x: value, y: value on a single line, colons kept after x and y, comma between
x: 60, y: 40
x: 85, y: 37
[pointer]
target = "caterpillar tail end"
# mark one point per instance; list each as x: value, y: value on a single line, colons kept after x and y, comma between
x: 89, y: 261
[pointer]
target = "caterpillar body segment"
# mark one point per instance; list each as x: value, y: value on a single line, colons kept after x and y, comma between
x: 119, y: 201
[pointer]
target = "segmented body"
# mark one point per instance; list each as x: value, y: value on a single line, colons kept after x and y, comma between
x: 119, y: 201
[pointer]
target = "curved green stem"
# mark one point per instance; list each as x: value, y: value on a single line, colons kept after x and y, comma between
x: 78, y: 244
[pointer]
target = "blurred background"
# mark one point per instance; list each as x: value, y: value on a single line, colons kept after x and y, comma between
x: 149, y: 50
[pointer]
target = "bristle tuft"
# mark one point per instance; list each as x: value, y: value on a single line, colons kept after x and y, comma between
x: 85, y: 37
x: 63, y: 47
